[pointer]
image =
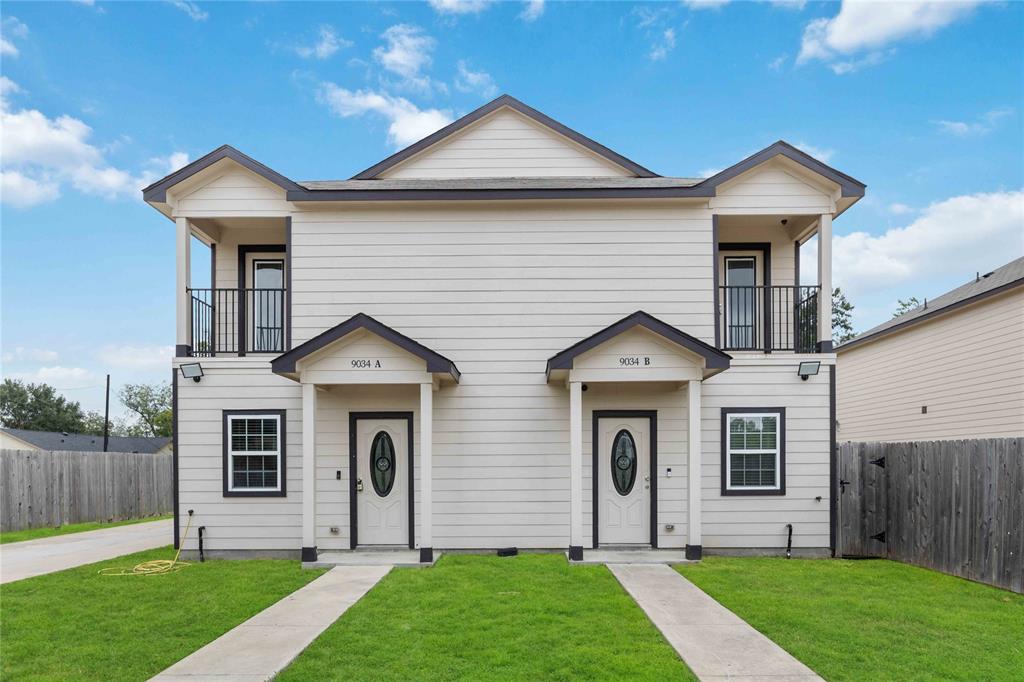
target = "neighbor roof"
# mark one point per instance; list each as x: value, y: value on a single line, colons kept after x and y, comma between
x: 82, y: 442
x: 999, y: 280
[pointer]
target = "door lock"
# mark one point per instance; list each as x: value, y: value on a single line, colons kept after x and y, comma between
x: 359, y: 485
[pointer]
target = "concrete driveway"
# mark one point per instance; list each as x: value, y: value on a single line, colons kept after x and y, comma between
x: 20, y: 560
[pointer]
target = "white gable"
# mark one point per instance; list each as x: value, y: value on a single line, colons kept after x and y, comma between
x: 505, y: 144
x: 227, y: 188
x: 780, y: 185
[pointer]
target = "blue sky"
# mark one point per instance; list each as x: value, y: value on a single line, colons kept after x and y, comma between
x: 921, y: 101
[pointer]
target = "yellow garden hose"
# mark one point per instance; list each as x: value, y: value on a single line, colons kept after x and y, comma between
x: 156, y: 566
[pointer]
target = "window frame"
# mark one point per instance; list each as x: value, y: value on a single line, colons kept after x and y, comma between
x: 282, y: 461
x: 780, y: 457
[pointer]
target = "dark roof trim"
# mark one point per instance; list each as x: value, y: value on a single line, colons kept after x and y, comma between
x: 511, y: 102
x: 713, y: 358
x: 851, y: 187
x: 157, y: 192
x: 499, y: 194
x: 436, y: 362
x: 927, y: 316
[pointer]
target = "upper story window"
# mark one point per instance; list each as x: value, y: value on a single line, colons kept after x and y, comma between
x: 254, y: 453
x: 753, y: 451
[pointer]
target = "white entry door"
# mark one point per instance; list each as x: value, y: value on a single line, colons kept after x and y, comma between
x: 382, y: 484
x: 624, y: 486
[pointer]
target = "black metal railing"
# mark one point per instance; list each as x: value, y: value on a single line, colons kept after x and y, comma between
x: 774, y: 318
x: 238, y: 321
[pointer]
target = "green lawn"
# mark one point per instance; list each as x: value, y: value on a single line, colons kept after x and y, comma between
x: 77, y: 625
x: 472, y: 617
x: 36, y: 533
x: 873, y: 620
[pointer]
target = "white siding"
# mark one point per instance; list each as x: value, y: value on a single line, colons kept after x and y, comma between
x: 505, y: 144
x: 232, y: 190
x: 773, y: 187
x: 967, y: 367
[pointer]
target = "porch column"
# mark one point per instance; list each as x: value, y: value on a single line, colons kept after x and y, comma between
x: 575, y: 471
x: 693, y: 471
x: 426, y: 472
x: 825, y: 279
x: 183, y: 281
x: 308, y: 472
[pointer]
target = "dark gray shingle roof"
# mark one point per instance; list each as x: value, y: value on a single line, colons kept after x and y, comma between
x: 81, y: 442
x: 1006, y: 276
x: 500, y: 183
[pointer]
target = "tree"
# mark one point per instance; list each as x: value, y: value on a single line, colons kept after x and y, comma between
x: 152, y: 406
x: 842, y: 317
x: 38, y: 407
x: 93, y: 425
x: 904, y: 307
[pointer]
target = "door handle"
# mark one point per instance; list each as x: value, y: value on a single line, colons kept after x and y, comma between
x: 359, y: 485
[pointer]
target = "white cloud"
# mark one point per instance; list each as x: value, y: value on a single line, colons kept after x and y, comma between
x: 327, y: 44
x: 194, y: 12
x: 646, y: 16
x: 22, y: 354
x: 982, y: 126
x: 40, y: 154
x: 972, y: 232
x: 777, y: 63
x: 459, y: 6
x: 705, y: 4
x: 708, y: 172
x: 665, y: 44
x: 11, y: 28
x: 819, y: 153
x: 533, y: 10
x: 897, y: 208
x: 407, y: 122
x: 474, y: 81
x: 872, y: 26
x: 61, y: 378
x: 135, y: 357
x: 407, y: 53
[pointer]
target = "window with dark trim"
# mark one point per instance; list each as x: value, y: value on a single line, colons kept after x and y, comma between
x: 754, y: 451
x: 254, y: 453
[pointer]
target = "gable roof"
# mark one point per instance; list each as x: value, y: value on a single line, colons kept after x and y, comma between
x: 511, y: 102
x: 999, y: 280
x: 285, y: 363
x: 83, y: 442
x: 713, y: 358
x: 157, y: 192
x: 850, y: 187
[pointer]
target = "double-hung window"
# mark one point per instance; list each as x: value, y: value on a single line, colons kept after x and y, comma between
x: 254, y: 453
x: 753, y: 451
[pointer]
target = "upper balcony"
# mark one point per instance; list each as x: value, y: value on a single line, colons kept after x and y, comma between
x: 239, y: 321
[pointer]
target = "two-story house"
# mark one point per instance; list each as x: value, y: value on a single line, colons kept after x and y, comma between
x: 506, y: 334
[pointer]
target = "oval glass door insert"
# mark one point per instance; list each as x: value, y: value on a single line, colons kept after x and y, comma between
x: 623, y: 462
x: 382, y: 463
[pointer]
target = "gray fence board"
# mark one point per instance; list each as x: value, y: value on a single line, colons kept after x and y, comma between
x: 42, y: 489
x: 954, y: 506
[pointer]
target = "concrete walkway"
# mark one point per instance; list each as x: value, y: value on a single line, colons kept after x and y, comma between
x: 264, y: 645
x: 20, y: 560
x: 713, y: 641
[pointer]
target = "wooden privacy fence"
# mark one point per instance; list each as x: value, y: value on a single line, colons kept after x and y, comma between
x: 953, y: 506
x: 44, y: 488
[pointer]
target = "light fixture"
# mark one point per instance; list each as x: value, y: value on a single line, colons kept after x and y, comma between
x: 193, y: 371
x: 808, y: 368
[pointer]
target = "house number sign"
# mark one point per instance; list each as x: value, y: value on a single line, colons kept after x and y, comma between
x: 634, y: 361
x: 366, y: 364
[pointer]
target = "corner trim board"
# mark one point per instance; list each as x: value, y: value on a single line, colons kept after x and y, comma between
x: 174, y: 455
x: 833, y: 460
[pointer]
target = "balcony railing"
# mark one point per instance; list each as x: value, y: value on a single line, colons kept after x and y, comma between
x: 775, y: 318
x: 238, y: 321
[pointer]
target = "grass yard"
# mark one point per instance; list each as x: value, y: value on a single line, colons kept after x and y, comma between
x: 873, y: 620
x: 77, y: 625
x: 37, y: 533
x: 472, y: 617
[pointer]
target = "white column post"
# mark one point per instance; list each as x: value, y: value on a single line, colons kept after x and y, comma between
x: 426, y: 472
x: 308, y: 472
x: 825, y: 279
x: 183, y: 281
x: 693, y: 471
x: 575, y: 471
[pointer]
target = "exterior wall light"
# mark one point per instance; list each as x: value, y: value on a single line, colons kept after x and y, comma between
x: 194, y: 371
x: 806, y: 369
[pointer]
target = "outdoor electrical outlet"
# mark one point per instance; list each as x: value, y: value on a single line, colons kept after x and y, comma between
x: 335, y: 530
x: 669, y: 527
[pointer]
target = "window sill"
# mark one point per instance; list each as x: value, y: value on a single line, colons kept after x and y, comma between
x: 768, y: 492
x: 254, y: 493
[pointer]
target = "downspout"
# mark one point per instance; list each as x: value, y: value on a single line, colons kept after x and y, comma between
x: 789, y: 541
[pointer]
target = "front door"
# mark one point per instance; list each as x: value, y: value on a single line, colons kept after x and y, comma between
x: 382, y: 487
x: 624, y: 483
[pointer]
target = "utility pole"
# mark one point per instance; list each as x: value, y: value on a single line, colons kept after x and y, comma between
x: 106, y: 418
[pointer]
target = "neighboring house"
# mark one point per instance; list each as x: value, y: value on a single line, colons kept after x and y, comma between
x: 24, y: 439
x: 951, y: 368
x: 505, y: 335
